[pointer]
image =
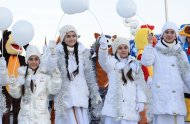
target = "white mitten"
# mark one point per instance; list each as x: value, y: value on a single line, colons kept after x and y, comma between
x: 52, y: 47
x: 103, y: 42
x: 139, y: 107
x: 119, y: 65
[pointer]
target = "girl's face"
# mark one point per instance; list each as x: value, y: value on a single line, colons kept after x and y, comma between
x: 169, y: 36
x: 33, y: 62
x: 70, y: 39
x: 123, y: 51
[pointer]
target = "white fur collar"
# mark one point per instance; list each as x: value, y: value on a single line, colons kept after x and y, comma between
x: 81, y: 48
x: 175, y: 47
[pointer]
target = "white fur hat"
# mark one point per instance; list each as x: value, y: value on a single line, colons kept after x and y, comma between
x: 65, y: 29
x: 30, y: 51
x: 118, y: 41
x: 170, y: 25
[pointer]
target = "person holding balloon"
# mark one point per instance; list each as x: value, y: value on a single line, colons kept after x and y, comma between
x: 78, y: 78
x: 171, y: 73
x: 125, y: 97
x: 34, y: 85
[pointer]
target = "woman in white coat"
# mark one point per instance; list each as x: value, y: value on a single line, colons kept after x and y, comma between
x: 171, y: 72
x: 3, y: 81
x: 78, y: 79
x: 34, y: 85
x: 125, y: 97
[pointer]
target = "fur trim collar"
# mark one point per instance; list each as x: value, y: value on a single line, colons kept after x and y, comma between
x: 177, y: 51
x: 60, y: 50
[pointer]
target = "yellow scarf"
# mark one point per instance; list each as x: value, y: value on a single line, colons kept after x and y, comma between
x: 10, y: 67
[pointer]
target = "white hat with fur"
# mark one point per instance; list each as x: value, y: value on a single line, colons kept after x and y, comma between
x: 118, y: 41
x: 65, y: 29
x: 170, y: 25
x: 30, y: 51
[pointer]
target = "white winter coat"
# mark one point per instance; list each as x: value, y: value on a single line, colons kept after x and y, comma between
x: 83, y: 86
x: 121, y: 99
x: 168, y: 79
x: 36, y: 111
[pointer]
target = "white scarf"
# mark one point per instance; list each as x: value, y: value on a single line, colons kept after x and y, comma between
x: 170, y: 45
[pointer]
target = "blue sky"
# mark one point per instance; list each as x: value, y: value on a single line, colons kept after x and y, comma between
x: 45, y: 16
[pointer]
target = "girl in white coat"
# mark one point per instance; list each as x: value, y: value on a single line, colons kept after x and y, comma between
x: 33, y: 85
x: 78, y: 79
x: 171, y: 72
x: 125, y: 97
x: 3, y: 81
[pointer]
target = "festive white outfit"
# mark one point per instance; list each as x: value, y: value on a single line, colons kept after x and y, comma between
x: 121, y: 100
x: 34, y: 106
x: 171, y: 72
x: 76, y: 92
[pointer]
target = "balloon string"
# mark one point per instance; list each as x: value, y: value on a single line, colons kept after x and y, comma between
x: 96, y: 20
x: 58, y: 25
x: 15, y: 63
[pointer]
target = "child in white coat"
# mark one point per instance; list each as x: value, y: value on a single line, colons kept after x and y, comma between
x: 34, y: 85
x: 125, y: 97
x: 171, y: 72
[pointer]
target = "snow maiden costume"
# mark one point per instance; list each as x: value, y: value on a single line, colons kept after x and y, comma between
x: 34, y: 88
x: 171, y: 72
x: 123, y: 101
x: 78, y: 81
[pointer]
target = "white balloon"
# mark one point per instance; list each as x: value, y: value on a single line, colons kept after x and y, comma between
x: 22, y: 32
x: 74, y: 6
x: 6, y: 18
x: 126, y: 8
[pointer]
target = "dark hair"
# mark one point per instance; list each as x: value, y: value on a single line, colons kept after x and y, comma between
x: 129, y: 73
x: 67, y: 57
x: 31, y: 83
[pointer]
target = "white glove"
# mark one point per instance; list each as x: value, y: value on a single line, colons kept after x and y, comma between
x: 52, y: 63
x: 140, y: 107
x: 52, y: 47
x: 103, y: 42
x: 2, y: 64
x: 119, y: 65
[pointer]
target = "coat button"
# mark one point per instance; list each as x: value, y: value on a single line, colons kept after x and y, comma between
x: 123, y: 100
x: 173, y: 65
x: 173, y: 91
